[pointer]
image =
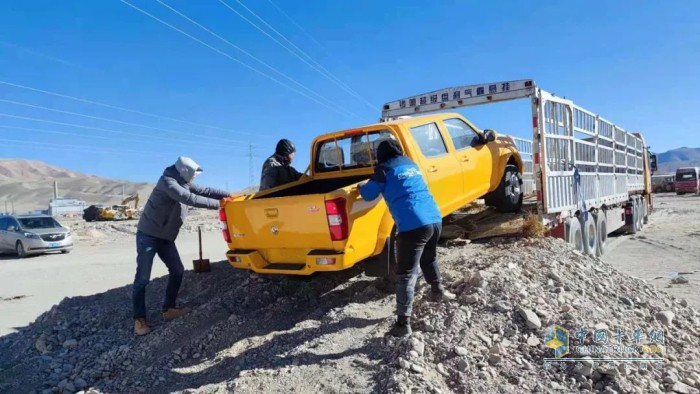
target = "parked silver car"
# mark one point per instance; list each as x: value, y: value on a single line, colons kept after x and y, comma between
x: 33, y: 234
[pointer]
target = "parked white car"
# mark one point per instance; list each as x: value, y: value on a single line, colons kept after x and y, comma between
x: 33, y: 234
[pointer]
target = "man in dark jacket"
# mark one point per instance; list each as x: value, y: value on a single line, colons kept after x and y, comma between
x: 277, y: 169
x: 159, y: 225
x: 419, y: 224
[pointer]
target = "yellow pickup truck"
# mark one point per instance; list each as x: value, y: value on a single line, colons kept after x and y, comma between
x: 320, y: 223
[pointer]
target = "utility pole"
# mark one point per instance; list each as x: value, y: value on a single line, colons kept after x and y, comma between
x: 13, y: 206
x: 123, y: 192
x: 250, y: 165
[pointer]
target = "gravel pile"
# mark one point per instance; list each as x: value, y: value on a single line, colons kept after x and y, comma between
x: 253, y: 334
x: 492, y: 338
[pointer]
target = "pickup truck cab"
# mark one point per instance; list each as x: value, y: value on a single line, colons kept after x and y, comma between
x: 320, y: 222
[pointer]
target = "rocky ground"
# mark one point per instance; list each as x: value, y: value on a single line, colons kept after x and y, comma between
x: 106, y: 232
x: 266, y: 334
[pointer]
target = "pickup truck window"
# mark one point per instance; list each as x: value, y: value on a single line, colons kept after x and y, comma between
x: 350, y: 152
x: 463, y: 136
x: 429, y: 140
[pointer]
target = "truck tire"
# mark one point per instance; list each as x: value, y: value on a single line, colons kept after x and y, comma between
x: 508, y: 196
x: 645, y: 209
x: 574, y: 236
x: 632, y: 228
x: 387, y: 265
x: 589, y: 235
x: 640, y: 215
x: 21, y: 252
x: 601, y: 223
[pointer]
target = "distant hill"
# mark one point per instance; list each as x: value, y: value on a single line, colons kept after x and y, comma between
x: 28, y: 184
x: 682, y: 157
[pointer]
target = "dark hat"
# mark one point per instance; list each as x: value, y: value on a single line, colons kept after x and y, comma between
x: 387, y: 150
x: 285, y: 147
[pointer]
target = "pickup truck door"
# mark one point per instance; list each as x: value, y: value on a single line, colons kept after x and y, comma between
x: 443, y: 171
x: 474, y: 157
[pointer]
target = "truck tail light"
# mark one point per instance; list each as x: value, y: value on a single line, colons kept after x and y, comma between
x: 325, y: 261
x: 534, y: 122
x: 537, y: 158
x: 337, y: 219
x: 224, y: 232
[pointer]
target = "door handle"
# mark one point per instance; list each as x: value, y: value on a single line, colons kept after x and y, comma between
x: 465, y: 158
x: 432, y: 169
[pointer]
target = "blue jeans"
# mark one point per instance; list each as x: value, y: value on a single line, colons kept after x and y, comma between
x: 416, y: 249
x: 147, y: 247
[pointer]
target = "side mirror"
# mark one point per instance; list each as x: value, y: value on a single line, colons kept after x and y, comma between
x: 489, y: 135
x: 652, y: 163
x: 12, y: 229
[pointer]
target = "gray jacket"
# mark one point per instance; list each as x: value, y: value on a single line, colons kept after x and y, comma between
x: 166, y: 208
x: 276, y: 172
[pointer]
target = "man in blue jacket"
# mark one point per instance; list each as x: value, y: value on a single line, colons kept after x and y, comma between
x: 159, y: 225
x: 419, y: 224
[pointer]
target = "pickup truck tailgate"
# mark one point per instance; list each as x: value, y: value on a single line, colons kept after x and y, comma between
x: 295, y: 222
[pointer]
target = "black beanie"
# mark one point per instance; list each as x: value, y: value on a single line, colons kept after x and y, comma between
x: 387, y: 150
x: 285, y: 147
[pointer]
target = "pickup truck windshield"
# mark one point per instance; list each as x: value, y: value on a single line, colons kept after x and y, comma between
x: 350, y: 151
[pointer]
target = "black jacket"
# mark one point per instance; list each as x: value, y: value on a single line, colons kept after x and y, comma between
x: 276, y: 171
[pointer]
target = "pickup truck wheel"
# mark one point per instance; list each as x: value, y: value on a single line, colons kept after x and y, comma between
x: 508, y: 196
x: 388, y: 264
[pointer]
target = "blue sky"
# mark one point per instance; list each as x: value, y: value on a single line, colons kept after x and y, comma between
x: 634, y: 63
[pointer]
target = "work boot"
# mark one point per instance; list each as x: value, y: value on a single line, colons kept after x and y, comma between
x: 141, y: 327
x: 402, y: 327
x: 175, y: 313
x: 438, y: 293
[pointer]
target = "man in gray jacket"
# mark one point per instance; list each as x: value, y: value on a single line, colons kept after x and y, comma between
x: 159, y: 225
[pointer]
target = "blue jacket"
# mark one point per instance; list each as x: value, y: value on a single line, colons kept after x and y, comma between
x: 406, y: 194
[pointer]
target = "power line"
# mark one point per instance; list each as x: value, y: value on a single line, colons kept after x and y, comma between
x: 115, y: 121
x: 229, y: 149
x: 236, y: 60
x: 82, y: 100
x: 189, y: 142
x: 316, y: 66
x: 250, y: 55
x: 71, y: 147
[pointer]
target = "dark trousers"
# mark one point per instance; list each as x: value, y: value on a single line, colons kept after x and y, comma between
x: 416, y: 248
x: 147, y: 247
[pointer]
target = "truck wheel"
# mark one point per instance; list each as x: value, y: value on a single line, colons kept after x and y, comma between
x: 508, y: 196
x: 21, y: 252
x: 589, y: 234
x: 601, y: 222
x: 640, y: 215
x: 645, y: 209
x: 574, y: 235
x: 388, y: 265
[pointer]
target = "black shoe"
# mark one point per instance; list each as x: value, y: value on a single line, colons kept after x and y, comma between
x: 402, y: 327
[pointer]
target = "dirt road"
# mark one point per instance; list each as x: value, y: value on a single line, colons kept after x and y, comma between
x: 31, y: 286
x: 668, y: 247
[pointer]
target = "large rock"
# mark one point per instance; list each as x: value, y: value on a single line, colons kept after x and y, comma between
x: 665, y: 317
x: 531, y: 319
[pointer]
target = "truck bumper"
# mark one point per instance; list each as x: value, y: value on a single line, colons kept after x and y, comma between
x: 316, y: 261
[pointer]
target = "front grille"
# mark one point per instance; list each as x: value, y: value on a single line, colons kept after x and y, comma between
x: 53, y: 237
